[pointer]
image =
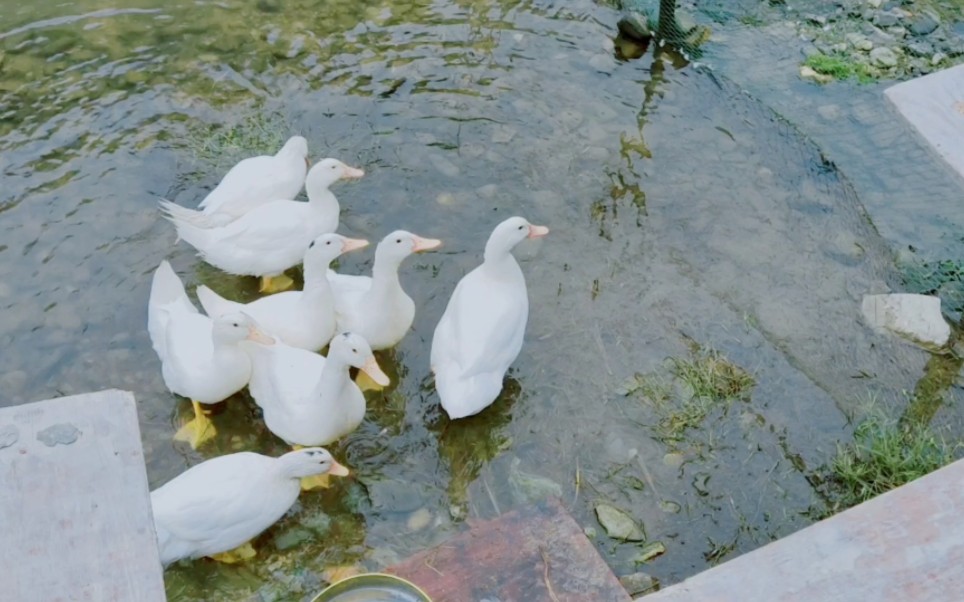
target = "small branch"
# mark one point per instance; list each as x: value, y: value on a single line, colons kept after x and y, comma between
x: 545, y: 575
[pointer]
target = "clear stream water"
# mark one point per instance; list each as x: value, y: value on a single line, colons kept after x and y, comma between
x: 681, y: 211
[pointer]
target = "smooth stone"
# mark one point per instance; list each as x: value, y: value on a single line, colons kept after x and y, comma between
x: 445, y: 198
x: 885, y: 19
x: 291, y: 538
x: 637, y: 583
x: 395, y: 496
x: 924, y: 24
x: 920, y: 48
x: 938, y: 58
x: 864, y: 45
x: 528, y: 487
x: 618, y: 524
x: 488, y: 191
x: 13, y: 382
x: 445, y: 166
x: 829, y: 112
x: 419, y: 519
x: 916, y: 317
x: 885, y: 57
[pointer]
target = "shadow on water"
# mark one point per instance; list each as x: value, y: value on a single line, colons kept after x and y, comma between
x: 681, y: 210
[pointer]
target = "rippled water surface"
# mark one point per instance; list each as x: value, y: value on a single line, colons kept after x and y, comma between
x: 682, y: 213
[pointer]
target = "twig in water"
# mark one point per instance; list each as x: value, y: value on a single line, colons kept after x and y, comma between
x: 578, y: 481
x: 491, y: 496
x: 545, y: 574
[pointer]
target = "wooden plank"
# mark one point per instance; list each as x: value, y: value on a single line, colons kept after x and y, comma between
x: 75, y: 512
x: 907, y: 544
x: 516, y: 557
x: 934, y: 105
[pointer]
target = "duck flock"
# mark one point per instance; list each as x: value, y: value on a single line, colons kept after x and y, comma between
x: 250, y: 225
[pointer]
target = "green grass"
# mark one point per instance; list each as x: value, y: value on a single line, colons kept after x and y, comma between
x: 713, y: 382
x: 710, y: 375
x: 884, y: 455
x: 223, y: 145
x: 838, y: 67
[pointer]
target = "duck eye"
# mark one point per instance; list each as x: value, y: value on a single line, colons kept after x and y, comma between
x: 311, y: 245
x: 398, y: 240
x: 235, y: 324
x: 522, y: 227
x: 354, y: 351
x: 328, y: 243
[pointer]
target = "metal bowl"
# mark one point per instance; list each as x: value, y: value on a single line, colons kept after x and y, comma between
x: 372, y: 587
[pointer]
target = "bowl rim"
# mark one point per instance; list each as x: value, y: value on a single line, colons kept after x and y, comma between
x: 346, y: 582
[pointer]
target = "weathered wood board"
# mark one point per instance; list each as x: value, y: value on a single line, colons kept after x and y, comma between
x: 906, y: 545
x: 934, y: 105
x: 517, y: 557
x: 75, y: 515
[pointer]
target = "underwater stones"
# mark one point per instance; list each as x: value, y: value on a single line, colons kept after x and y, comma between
x: 618, y: 524
x: 394, y: 496
x: 915, y: 317
x: 419, y: 519
x: 884, y: 57
x: 528, y: 487
x: 637, y: 583
x: 924, y: 24
x: 291, y: 538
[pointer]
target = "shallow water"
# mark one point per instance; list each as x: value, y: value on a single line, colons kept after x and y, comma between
x: 681, y: 210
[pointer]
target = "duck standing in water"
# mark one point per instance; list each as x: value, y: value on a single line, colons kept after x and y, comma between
x: 481, y: 332
x: 202, y: 359
x: 273, y: 237
x: 216, y: 507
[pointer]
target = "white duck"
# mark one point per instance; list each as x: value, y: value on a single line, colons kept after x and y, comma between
x: 202, y: 359
x: 480, y: 334
x: 270, y: 238
x: 308, y: 399
x: 222, y: 503
x: 303, y: 319
x: 257, y: 180
x: 376, y: 307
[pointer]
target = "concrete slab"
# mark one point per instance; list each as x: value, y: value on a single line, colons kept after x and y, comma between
x: 907, y: 544
x: 934, y: 105
x: 75, y: 514
x: 534, y: 554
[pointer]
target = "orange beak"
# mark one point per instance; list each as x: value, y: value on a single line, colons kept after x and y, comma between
x: 258, y: 336
x: 537, y: 231
x: 339, y: 470
x: 372, y: 369
x: 350, y: 244
x: 425, y: 244
x: 352, y: 173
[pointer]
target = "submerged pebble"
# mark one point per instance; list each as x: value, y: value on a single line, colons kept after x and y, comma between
x: 618, y: 524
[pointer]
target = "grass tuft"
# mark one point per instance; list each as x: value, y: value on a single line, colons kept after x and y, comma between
x: 838, y: 67
x: 710, y: 375
x: 884, y: 455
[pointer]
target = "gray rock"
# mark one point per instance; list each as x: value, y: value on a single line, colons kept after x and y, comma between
x: 865, y: 45
x: 924, y: 24
x: 294, y: 536
x: 938, y: 58
x: 528, y: 487
x: 920, y: 48
x: 637, y: 583
x: 885, y: 57
x: 395, y: 496
x: 618, y: 524
x: 885, y: 19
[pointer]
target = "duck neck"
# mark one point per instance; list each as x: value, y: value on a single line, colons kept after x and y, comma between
x: 385, y: 278
x: 334, y: 377
x: 498, y: 260
x: 321, y: 198
x: 316, y: 280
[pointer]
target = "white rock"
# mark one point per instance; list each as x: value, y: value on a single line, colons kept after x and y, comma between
x: 917, y: 317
